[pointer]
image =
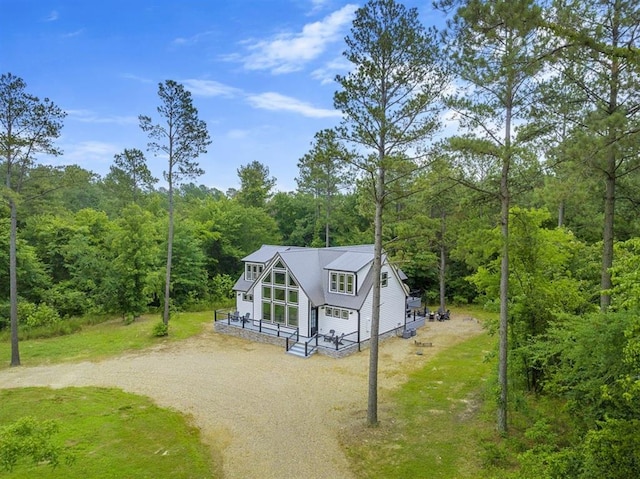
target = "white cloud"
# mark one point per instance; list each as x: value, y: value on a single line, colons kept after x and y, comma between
x: 192, y: 40
x: 130, y: 76
x: 89, y: 154
x: 210, y: 88
x: 327, y: 73
x: 73, y: 34
x: 87, y: 116
x: 277, y: 102
x: 52, y: 17
x: 237, y: 134
x: 288, y: 52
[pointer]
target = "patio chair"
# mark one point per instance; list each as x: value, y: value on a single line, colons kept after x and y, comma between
x: 329, y: 337
x: 245, y: 318
x: 235, y: 316
x: 338, y: 339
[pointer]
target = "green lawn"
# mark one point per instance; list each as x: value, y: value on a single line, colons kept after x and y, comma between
x: 111, y: 434
x: 433, y: 426
x: 102, y: 340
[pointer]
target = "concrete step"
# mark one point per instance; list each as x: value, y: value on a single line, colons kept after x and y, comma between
x: 298, y: 350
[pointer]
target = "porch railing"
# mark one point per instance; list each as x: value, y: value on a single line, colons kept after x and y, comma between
x: 235, y: 319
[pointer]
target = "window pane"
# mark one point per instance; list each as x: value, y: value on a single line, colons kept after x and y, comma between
x: 292, y: 282
x: 293, y: 316
x: 266, y: 292
x: 345, y: 314
x: 279, y: 265
x: 266, y: 311
x: 334, y: 282
x: 278, y: 277
x: 293, y: 296
x: 341, y: 286
x: 329, y: 312
x: 278, y: 294
x: 350, y: 284
x: 267, y: 278
x: 278, y: 313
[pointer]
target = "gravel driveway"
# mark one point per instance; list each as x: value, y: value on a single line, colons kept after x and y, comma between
x: 266, y: 413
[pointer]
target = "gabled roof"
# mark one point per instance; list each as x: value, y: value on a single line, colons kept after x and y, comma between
x: 265, y: 253
x: 309, y: 268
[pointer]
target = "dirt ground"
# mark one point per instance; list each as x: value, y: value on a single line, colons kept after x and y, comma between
x: 266, y: 413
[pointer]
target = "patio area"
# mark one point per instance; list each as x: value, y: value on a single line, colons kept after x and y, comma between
x: 231, y: 323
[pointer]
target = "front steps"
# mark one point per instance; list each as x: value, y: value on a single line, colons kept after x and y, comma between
x: 298, y: 350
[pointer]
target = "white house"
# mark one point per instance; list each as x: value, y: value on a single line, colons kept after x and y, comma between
x: 321, y: 292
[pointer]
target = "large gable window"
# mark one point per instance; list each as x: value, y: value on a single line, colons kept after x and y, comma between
x: 252, y: 271
x: 280, y: 296
x: 343, y: 283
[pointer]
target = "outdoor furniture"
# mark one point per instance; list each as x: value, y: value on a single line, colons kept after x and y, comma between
x: 338, y: 339
x: 235, y: 316
x: 330, y: 337
x: 245, y: 318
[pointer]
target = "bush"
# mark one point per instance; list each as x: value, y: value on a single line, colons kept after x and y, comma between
x: 160, y: 329
x: 222, y: 287
x: 37, y: 315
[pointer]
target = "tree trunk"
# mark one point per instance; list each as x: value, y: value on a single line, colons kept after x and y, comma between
x: 505, y: 200
x: 167, y: 284
x: 561, y: 208
x: 443, y: 262
x: 372, y: 406
x: 610, y: 188
x: 13, y: 283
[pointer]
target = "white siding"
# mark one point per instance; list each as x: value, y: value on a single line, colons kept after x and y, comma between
x: 346, y: 326
x: 392, y: 306
x: 244, y: 307
x: 392, y: 302
x: 365, y: 317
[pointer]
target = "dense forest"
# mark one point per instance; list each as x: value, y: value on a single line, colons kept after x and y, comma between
x: 528, y: 204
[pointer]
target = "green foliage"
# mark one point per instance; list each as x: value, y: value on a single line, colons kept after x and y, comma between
x: 625, y: 275
x: 160, y: 329
x: 32, y: 439
x: 221, y: 288
x: 612, y: 451
x: 34, y: 315
x: 255, y: 185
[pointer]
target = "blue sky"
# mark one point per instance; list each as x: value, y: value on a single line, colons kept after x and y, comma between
x: 260, y: 71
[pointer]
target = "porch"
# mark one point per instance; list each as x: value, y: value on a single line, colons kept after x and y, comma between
x: 231, y: 323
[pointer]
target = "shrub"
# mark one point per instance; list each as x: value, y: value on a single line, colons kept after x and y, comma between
x: 36, y: 315
x: 160, y: 329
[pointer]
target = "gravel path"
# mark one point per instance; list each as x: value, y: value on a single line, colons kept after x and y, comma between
x: 268, y: 414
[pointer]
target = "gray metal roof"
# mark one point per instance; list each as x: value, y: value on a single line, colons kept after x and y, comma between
x: 351, y: 261
x: 309, y: 265
x: 265, y: 253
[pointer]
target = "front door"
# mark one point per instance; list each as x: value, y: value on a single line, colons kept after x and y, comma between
x: 314, y: 322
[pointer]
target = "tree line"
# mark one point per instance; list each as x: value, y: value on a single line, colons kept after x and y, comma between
x: 530, y: 206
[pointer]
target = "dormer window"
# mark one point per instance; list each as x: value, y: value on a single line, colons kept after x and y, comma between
x: 343, y: 283
x: 252, y: 271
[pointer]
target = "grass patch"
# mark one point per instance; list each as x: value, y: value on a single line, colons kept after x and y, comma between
x: 435, y: 427
x: 109, y: 338
x: 111, y: 434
